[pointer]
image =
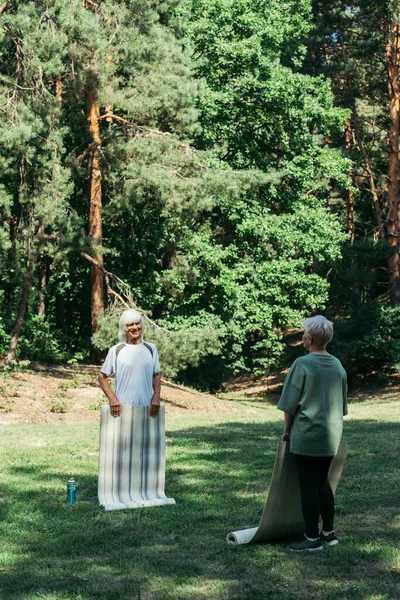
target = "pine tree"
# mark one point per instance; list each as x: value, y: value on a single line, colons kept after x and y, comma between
x: 35, y: 185
x: 357, y: 46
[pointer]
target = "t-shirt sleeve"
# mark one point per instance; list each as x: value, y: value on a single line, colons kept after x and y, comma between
x: 292, y: 390
x: 156, y: 361
x: 108, y: 367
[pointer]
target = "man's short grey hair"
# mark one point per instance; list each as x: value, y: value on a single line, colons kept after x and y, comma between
x: 320, y: 329
x: 127, y: 318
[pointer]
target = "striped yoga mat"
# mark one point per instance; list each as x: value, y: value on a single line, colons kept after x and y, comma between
x: 132, y: 459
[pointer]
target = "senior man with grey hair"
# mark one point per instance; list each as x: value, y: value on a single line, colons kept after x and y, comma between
x: 314, y: 400
x: 135, y: 366
x: 132, y: 443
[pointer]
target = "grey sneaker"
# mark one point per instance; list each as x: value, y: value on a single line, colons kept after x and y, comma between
x: 330, y: 539
x: 306, y: 546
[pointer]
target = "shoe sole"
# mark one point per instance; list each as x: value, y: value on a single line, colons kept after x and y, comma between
x: 332, y: 543
x: 306, y: 549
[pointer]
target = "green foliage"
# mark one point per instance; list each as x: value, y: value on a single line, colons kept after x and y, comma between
x: 106, y: 336
x: 4, y: 334
x: 177, y: 349
x: 369, y: 341
x: 59, y: 405
x: 257, y: 109
x: 361, y: 276
x: 217, y: 171
x: 41, y: 342
x: 257, y: 261
x: 96, y: 405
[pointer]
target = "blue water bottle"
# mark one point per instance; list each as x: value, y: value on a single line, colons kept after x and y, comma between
x: 71, y: 492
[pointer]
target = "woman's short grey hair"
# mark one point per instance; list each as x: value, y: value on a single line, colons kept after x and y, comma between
x: 127, y: 318
x: 320, y: 329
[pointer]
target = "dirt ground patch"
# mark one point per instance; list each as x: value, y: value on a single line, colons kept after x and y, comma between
x: 53, y: 394
x: 43, y: 394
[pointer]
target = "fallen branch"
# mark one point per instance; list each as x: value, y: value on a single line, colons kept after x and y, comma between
x: 169, y: 383
x: 99, y: 266
x: 109, y: 115
x: 103, y: 141
x: 123, y: 285
x: 117, y: 118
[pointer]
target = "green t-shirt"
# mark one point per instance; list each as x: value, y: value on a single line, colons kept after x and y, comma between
x: 315, y: 394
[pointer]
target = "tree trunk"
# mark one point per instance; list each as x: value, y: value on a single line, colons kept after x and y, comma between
x: 95, y: 216
x: 22, y: 307
x: 11, y: 262
x: 371, y: 178
x: 42, y: 297
x: 355, y: 291
x: 58, y: 90
x: 350, y: 193
x: 393, y: 59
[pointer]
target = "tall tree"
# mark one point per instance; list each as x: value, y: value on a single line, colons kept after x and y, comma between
x: 106, y: 57
x: 259, y: 112
x: 357, y: 45
x: 35, y: 184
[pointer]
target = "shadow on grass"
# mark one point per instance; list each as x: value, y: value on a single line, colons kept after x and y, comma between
x: 219, y: 477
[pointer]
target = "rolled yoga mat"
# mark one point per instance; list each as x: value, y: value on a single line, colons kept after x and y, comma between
x: 282, y: 516
x: 132, y: 459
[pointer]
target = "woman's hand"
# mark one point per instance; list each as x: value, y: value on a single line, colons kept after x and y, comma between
x: 287, y: 427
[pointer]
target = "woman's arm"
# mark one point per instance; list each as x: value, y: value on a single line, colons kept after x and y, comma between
x: 288, y: 426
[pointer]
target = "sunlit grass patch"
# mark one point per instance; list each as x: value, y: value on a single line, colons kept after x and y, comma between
x: 218, y: 469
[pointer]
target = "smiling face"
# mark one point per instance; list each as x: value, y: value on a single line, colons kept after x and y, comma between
x: 133, y: 333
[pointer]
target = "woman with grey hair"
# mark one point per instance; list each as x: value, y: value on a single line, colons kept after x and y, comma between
x: 314, y: 400
x: 135, y: 366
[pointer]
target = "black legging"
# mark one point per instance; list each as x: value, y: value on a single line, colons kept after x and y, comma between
x: 316, y: 492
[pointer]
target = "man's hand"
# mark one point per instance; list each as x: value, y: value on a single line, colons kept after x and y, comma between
x: 115, y: 404
x: 155, y: 401
x: 286, y: 436
x: 115, y: 407
x: 154, y: 407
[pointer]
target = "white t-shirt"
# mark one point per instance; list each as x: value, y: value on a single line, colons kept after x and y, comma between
x: 134, y: 372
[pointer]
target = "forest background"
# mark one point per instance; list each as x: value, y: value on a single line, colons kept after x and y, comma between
x: 229, y: 167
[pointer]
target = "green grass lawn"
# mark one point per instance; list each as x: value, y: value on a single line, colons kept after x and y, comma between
x: 218, y: 469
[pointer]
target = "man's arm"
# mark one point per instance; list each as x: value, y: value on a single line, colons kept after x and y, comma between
x: 288, y: 426
x: 115, y: 404
x: 155, y: 401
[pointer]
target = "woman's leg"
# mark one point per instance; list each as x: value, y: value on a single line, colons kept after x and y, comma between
x: 308, y: 474
x: 326, y: 499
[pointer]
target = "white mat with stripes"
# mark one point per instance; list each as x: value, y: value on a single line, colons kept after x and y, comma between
x: 132, y: 459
